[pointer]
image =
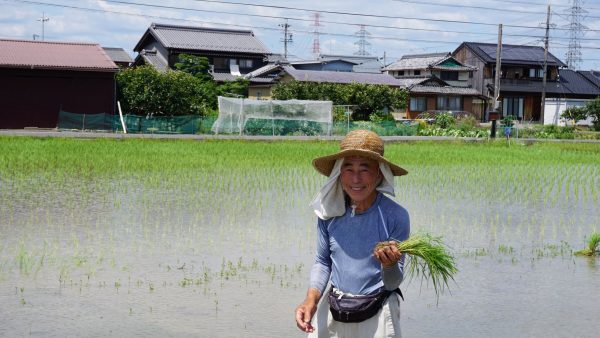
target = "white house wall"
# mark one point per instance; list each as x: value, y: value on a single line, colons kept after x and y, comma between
x: 553, y: 108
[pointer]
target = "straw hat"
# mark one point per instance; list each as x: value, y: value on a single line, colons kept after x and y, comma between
x: 364, y: 143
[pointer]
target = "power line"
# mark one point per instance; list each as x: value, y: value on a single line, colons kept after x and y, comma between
x: 378, y: 16
x: 454, y: 5
x: 444, y: 42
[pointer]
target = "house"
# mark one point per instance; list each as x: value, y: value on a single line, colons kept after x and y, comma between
x: 119, y: 56
x: 432, y: 95
x: 572, y: 89
x: 521, y: 76
x: 231, y: 53
x: 263, y: 79
x: 426, y: 93
x: 341, y: 63
x: 38, y: 79
x: 441, y: 65
x: 443, y: 84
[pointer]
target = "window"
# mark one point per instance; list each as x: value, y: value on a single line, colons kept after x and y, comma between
x: 450, y: 76
x: 220, y: 63
x: 512, y: 106
x: 400, y: 73
x: 533, y: 72
x: 418, y: 103
x: 449, y: 103
x: 245, y: 63
x: 417, y: 72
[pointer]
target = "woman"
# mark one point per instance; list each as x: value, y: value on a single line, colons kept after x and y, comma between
x: 354, y: 215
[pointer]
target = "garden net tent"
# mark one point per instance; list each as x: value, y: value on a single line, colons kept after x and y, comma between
x: 273, y: 117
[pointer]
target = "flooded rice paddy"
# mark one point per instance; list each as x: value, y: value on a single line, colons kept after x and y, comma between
x: 215, y: 239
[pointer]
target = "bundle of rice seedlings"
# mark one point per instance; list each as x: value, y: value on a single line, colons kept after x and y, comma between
x: 592, y: 248
x: 428, y: 258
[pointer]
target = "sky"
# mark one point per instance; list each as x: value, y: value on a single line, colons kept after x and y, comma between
x: 393, y: 28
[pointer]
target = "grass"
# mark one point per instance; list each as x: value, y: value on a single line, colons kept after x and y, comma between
x: 428, y: 259
x: 96, y: 203
x: 592, y: 249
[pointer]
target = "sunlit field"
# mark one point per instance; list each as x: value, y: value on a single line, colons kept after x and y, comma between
x: 216, y: 239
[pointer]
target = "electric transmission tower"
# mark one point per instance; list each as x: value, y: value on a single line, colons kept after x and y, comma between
x: 316, y: 47
x: 362, y: 42
x: 576, y: 14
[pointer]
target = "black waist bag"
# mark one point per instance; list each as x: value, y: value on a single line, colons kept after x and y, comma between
x: 355, y: 309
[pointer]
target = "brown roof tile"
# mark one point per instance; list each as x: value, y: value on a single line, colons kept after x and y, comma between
x: 54, y: 55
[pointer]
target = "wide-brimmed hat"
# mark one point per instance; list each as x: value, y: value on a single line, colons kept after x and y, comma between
x: 364, y: 143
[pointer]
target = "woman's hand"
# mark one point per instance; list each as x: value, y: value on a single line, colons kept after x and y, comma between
x: 387, y: 253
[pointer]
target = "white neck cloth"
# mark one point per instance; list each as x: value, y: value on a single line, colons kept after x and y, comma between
x: 329, y: 201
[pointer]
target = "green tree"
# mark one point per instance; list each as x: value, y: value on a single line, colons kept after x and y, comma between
x: 195, y: 65
x: 144, y: 90
x: 593, y: 110
x: 575, y: 114
x: 200, y: 68
x: 368, y: 98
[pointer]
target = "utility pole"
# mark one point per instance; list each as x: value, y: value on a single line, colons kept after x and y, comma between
x: 543, y: 105
x: 316, y: 48
x: 496, y: 104
x: 287, y: 37
x: 498, y: 69
x: 43, y: 19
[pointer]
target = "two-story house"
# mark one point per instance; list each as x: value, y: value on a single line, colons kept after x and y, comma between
x: 521, y: 77
x: 231, y: 53
x: 443, y: 84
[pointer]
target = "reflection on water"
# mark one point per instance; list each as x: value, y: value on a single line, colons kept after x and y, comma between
x: 229, y: 257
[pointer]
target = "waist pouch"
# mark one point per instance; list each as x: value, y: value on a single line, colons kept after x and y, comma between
x: 355, y: 309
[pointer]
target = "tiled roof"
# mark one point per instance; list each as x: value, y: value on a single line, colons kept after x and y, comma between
x: 444, y: 90
x: 356, y: 59
x: 577, y: 83
x: 512, y: 54
x: 592, y: 75
x: 412, y: 81
x: 54, y: 55
x: 570, y: 83
x: 373, y: 66
x: 417, y: 61
x: 437, y: 61
x: 205, y: 39
x: 341, y: 77
x: 222, y: 77
x: 262, y: 70
x: 151, y: 57
x: 118, y: 54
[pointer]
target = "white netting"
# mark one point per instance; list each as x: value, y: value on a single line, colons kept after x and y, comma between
x: 245, y: 116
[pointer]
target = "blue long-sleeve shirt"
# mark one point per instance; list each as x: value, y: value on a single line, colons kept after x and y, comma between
x: 345, y: 248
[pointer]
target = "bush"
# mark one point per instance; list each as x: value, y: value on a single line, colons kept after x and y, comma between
x: 444, y: 120
x: 282, y: 127
x: 575, y: 114
x: 366, y: 98
x: 593, y: 110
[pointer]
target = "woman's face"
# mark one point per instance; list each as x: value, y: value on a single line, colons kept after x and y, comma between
x: 360, y: 177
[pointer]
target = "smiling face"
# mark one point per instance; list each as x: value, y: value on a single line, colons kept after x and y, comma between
x: 360, y: 176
